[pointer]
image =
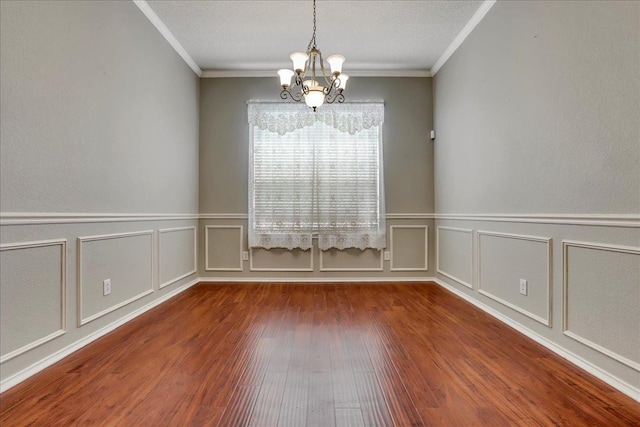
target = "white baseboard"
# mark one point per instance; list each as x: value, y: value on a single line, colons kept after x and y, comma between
x: 17, y: 378
x: 314, y: 279
x: 597, y: 372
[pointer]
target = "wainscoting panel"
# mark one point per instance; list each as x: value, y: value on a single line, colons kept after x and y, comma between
x: 176, y: 254
x: 223, y: 247
x: 351, y: 259
x: 32, y: 295
x: 126, y: 259
x: 454, y: 254
x: 409, y: 247
x: 278, y: 259
x: 504, y: 259
x: 595, y: 312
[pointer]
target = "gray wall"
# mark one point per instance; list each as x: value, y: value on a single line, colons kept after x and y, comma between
x: 92, y: 90
x: 99, y: 116
x: 408, y: 163
x: 538, y: 113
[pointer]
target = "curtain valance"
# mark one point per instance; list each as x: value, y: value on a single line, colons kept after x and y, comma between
x: 282, y: 118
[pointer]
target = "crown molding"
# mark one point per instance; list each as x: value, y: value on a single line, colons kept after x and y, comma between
x: 167, y: 34
x: 466, y: 30
x: 173, y: 41
x: 214, y: 74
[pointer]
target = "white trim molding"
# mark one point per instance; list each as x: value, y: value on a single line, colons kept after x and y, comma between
x: 464, y: 33
x: 212, y: 74
x: 624, y: 387
x: 379, y: 268
x: 236, y: 215
x: 81, y: 240
x: 325, y: 279
x: 445, y: 274
x: 601, y: 220
x: 305, y: 269
x: 403, y: 215
x: 63, y: 291
x: 44, y: 363
x: 195, y: 255
x: 426, y: 248
x: 206, y: 248
x: 566, y: 244
x: 546, y: 240
x: 35, y: 218
x: 224, y: 216
x: 168, y: 35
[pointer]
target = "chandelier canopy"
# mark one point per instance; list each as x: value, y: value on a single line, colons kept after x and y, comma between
x: 302, y: 83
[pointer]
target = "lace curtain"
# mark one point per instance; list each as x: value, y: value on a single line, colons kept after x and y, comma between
x: 316, y: 173
x: 282, y: 118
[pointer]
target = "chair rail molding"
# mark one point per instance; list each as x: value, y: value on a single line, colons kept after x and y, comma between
x: 36, y: 218
x: 602, y: 220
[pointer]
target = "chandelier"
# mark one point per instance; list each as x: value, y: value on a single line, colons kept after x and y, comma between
x: 314, y: 93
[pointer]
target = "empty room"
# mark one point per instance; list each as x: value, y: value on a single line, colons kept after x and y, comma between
x: 319, y: 213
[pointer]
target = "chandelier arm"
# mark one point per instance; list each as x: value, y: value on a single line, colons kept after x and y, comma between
x: 337, y: 82
x: 287, y: 94
x: 313, y: 64
x: 337, y: 97
x: 333, y: 87
x: 324, y: 73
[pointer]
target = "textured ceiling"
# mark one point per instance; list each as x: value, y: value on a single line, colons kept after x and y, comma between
x: 259, y: 35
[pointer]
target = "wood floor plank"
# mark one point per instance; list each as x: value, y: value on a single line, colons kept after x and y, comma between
x: 293, y: 411
x: 320, y: 404
x: 300, y: 354
x: 240, y: 407
x: 349, y: 417
x: 399, y: 402
x: 345, y: 393
x: 267, y: 407
x: 372, y: 402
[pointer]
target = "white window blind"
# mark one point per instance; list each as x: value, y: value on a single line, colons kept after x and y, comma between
x: 316, y: 174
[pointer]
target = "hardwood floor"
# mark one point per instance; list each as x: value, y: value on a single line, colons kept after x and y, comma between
x: 315, y: 355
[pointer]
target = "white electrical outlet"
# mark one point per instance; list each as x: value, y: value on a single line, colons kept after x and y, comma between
x: 387, y: 255
x: 245, y: 256
x: 106, y: 287
x: 523, y: 287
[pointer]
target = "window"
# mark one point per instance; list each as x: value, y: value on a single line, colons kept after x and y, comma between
x: 316, y: 173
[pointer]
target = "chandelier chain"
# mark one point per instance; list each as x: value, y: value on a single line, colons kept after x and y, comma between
x: 313, y: 93
x: 312, y: 42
